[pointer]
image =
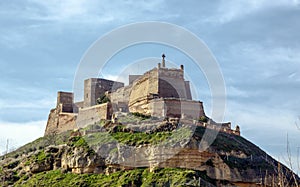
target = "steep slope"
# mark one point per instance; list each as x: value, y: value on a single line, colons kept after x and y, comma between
x: 162, y: 153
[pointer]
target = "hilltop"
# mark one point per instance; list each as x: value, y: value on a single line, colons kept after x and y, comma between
x: 148, y: 133
x: 100, y: 155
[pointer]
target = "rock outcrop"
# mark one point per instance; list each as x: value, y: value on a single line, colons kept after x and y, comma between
x: 230, y: 160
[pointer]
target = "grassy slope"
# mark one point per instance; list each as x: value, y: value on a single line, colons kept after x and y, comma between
x: 224, y: 142
x: 136, y: 177
x: 39, y: 144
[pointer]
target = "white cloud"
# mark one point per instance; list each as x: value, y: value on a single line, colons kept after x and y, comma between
x: 266, y: 61
x: 94, y: 12
x: 230, y: 10
x: 19, y: 134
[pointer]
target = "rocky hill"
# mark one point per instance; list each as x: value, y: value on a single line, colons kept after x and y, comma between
x: 136, y: 151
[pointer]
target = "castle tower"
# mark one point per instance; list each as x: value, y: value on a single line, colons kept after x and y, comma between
x: 96, y: 87
x: 65, y: 101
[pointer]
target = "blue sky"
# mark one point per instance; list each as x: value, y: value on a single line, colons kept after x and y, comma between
x: 255, y: 42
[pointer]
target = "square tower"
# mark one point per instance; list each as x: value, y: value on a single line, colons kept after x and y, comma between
x: 65, y: 99
x: 96, y: 87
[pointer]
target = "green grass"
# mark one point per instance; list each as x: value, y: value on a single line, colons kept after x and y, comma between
x: 40, y: 144
x: 141, y: 116
x: 137, y: 177
x: 134, y: 118
x: 98, y: 137
x: 77, y: 141
x: 41, y: 157
x: 138, y: 138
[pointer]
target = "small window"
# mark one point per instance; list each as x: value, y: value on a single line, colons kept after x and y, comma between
x: 87, y: 95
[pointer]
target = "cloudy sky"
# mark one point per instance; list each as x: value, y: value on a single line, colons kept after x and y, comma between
x: 256, y: 43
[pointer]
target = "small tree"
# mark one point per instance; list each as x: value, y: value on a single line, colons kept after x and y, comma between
x: 203, y: 119
x: 103, y: 99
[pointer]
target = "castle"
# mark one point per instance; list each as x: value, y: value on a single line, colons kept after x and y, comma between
x: 161, y: 92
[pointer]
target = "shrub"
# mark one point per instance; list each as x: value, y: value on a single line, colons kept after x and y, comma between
x: 103, y: 99
x: 203, y: 119
x: 143, y: 116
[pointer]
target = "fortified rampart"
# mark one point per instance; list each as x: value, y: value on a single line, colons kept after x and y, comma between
x: 62, y: 117
x: 120, y: 98
x: 177, y: 108
x: 158, y: 83
x: 172, y: 84
x: 160, y: 92
x: 142, y: 89
x: 93, y: 114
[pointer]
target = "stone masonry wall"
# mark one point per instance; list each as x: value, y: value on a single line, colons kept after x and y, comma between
x: 159, y: 83
x: 60, y: 121
x: 120, y: 98
x: 66, y: 99
x: 95, y: 87
x: 142, y: 88
x: 171, y: 83
x: 172, y: 107
x: 188, y: 90
x: 91, y: 115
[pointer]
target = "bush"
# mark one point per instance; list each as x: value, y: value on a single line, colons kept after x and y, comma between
x: 143, y: 116
x: 103, y: 99
x: 203, y: 119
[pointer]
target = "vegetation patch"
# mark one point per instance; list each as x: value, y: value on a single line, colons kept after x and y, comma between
x: 103, y: 99
x: 137, y: 177
x: 140, y: 138
x: 203, y: 119
x: 142, y: 116
x: 39, y: 144
x: 40, y: 157
x: 77, y: 141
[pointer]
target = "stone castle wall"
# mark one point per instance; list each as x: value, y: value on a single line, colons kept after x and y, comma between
x: 172, y: 84
x: 96, y: 87
x: 66, y: 99
x: 160, y: 92
x: 120, y: 98
x: 179, y: 108
x: 157, y: 83
x: 60, y: 121
x: 142, y: 89
x: 93, y: 114
x: 188, y: 90
x: 62, y: 117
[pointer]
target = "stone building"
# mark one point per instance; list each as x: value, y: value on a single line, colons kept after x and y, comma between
x: 161, y: 92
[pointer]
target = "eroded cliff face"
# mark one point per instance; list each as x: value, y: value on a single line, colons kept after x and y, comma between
x: 185, y: 156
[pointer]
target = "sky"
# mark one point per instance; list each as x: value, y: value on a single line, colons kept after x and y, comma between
x: 255, y: 42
